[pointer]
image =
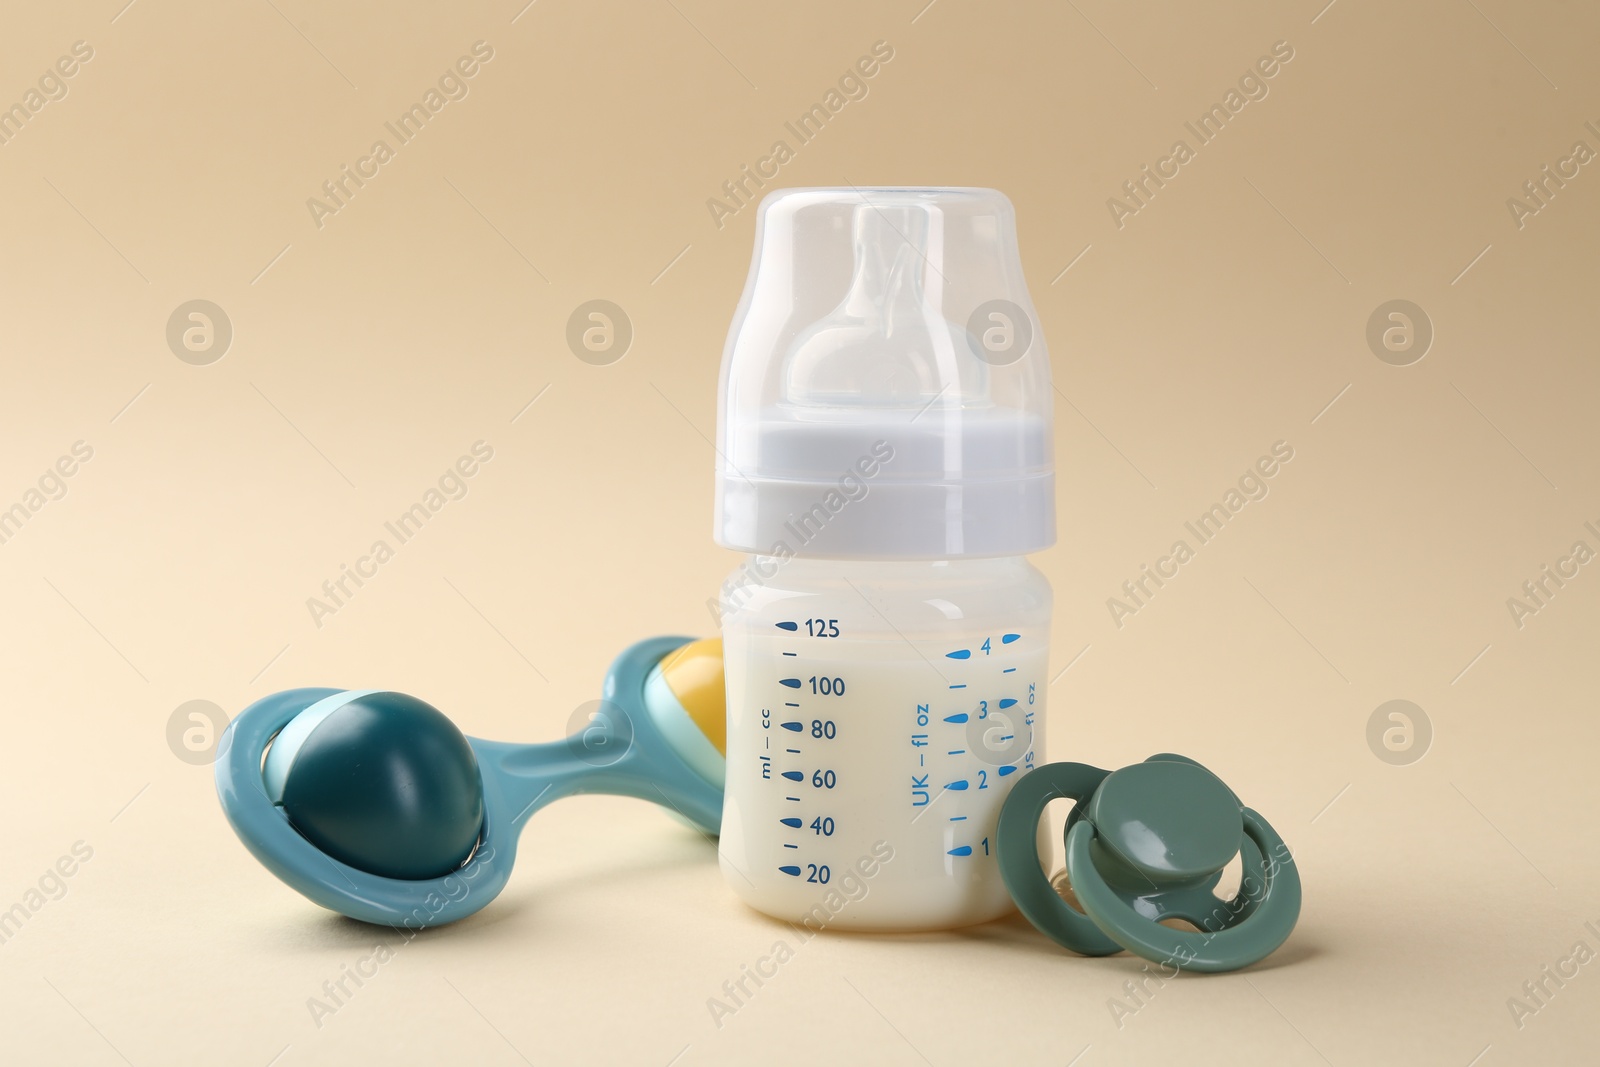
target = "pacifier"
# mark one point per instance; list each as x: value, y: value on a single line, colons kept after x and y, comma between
x: 1145, y: 844
x: 374, y: 804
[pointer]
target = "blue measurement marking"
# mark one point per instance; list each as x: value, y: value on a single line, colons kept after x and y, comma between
x: 956, y: 752
x: 962, y: 784
x: 793, y: 727
x: 790, y: 626
x: 961, y: 717
x: 795, y: 776
x: 963, y: 685
x: 958, y: 818
x: 792, y: 751
x: 1007, y: 702
x: 1007, y: 770
x: 961, y: 850
x: 795, y: 799
x: 790, y: 869
x: 792, y: 683
x: 1008, y: 670
x: 791, y: 822
x: 791, y: 846
x: 1008, y: 638
x: 790, y: 704
x: 791, y: 653
x: 960, y: 653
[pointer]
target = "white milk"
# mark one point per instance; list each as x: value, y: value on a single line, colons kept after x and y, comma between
x: 871, y: 746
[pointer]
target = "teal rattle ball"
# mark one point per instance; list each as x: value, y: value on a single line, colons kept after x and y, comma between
x: 380, y: 781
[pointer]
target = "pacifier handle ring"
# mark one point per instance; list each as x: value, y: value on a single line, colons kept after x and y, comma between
x: 1225, y: 949
x: 1020, y: 867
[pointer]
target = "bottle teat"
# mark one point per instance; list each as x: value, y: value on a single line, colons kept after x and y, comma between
x: 887, y: 344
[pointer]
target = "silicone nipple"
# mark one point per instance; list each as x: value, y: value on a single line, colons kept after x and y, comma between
x: 887, y: 345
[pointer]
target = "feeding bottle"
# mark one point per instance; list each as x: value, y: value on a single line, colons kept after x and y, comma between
x: 885, y: 462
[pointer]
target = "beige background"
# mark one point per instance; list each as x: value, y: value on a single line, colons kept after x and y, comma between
x: 1227, y: 314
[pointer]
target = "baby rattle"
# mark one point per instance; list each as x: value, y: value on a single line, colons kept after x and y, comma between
x: 373, y: 804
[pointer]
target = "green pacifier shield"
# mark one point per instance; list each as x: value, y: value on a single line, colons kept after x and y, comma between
x: 1170, y: 822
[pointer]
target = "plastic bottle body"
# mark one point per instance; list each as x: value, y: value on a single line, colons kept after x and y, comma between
x: 878, y: 715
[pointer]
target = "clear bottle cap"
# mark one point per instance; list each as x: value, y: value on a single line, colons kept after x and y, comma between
x: 885, y: 386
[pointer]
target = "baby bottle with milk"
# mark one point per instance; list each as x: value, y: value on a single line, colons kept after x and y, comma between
x: 885, y: 462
